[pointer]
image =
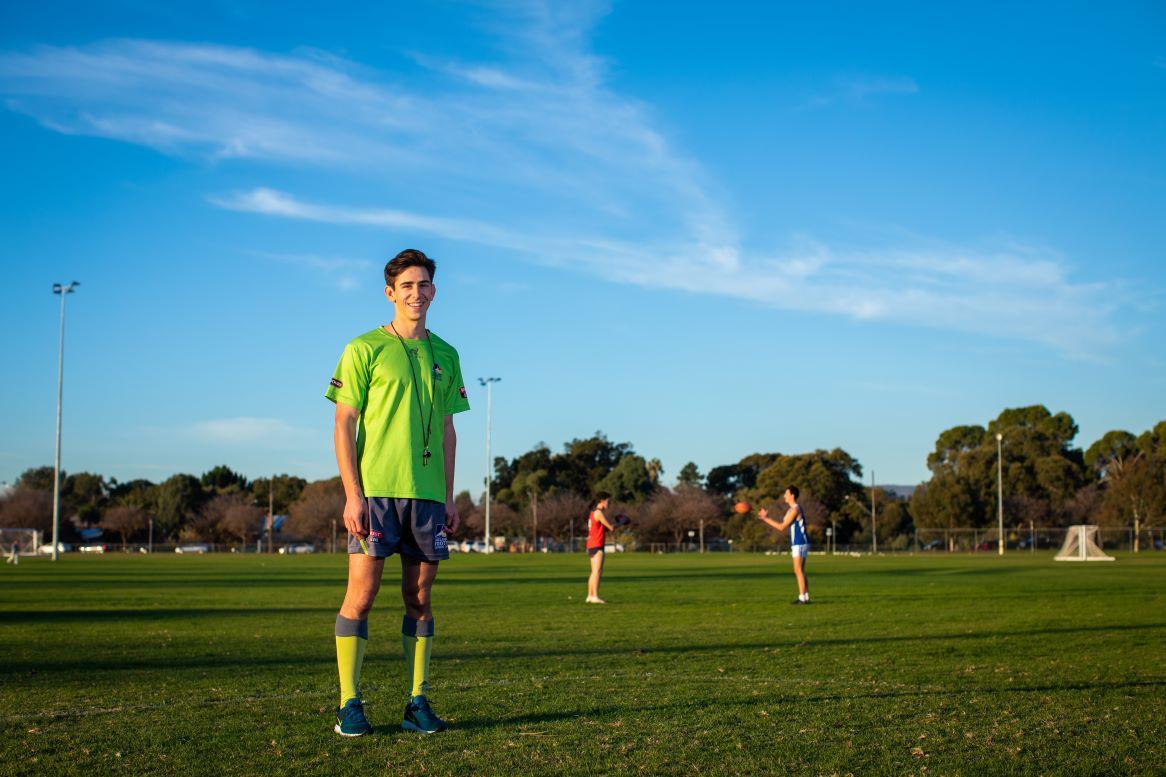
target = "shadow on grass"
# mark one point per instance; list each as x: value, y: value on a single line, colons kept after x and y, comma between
x: 608, y: 711
x: 171, y: 663
x: 44, y: 617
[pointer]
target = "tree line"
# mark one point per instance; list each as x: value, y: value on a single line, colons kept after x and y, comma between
x: 1119, y: 480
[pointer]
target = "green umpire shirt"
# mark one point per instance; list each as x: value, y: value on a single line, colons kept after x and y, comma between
x: 374, y: 377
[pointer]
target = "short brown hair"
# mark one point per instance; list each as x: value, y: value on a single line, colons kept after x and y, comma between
x: 410, y: 257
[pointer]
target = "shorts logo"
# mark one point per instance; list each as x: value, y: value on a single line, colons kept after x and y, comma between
x: 439, y: 542
x: 337, y: 383
x: 462, y: 391
x: 375, y: 536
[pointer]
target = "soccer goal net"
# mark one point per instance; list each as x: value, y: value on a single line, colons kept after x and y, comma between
x: 1081, y: 544
x: 25, y: 540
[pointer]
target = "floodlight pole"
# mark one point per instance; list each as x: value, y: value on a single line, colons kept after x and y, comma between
x: 874, y: 535
x: 489, y: 384
x: 61, y: 289
x: 1000, y: 489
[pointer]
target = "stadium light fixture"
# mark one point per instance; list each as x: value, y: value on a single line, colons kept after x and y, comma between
x: 489, y: 384
x: 63, y: 290
x: 1000, y: 489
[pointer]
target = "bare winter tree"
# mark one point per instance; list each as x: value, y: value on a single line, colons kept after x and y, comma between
x: 556, y: 513
x: 312, y: 515
x: 242, y: 521
x: 124, y: 520
x: 27, y: 508
x: 473, y: 517
x: 211, y: 522
x: 671, y: 514
x: 506, y: 522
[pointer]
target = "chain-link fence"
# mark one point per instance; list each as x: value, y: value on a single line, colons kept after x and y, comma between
x: 1031, y: 539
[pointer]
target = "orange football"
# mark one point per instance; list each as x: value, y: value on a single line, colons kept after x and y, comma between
x: 742, y: 508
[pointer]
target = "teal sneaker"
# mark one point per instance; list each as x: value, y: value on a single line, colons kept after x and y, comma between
x: 420, y: 717
x: 350, y: 720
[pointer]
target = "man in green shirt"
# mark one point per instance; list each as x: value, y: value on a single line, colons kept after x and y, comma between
x: 396, y: 391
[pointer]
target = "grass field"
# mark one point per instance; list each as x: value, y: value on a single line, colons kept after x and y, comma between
x: 225, y: 665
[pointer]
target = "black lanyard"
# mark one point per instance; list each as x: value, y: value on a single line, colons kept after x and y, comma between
x: 427, y: 429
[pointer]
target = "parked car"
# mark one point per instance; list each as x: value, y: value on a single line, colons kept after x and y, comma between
x: 198, y: 548
x: 986, y: 545
x: 299, y: 547
x: 47, y: 548
x: 934, y: 545
x: 99, y: 547
x: 613, y: 548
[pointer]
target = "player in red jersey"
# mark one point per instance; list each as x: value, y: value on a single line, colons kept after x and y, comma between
x: 597, y: 526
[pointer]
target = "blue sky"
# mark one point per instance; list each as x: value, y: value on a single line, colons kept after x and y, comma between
x: 707, y: 230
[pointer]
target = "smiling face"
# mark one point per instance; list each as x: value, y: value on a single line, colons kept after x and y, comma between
x: 411, y: 294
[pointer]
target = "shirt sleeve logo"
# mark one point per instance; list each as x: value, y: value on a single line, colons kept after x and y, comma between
x: 462, y: 391
x: 337, y: 383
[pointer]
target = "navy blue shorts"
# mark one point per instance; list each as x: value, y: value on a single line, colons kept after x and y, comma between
x: 411, y: 527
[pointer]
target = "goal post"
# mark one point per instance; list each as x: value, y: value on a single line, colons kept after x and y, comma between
x: 25, y: 540
x: 1082, y: 544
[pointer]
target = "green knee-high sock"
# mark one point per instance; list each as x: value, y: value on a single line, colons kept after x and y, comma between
x: 417, y: 645
x: 351, y: 640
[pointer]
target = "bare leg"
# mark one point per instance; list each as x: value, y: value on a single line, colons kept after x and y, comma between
x: 800, y: 573
x: 364, y: 580
x: 416, y: 584
x: 596, y: 574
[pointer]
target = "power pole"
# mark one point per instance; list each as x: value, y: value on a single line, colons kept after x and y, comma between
x: 61, y: 289
x: 489, y: 384
x: 270, y: 511
x: 534, y: 506
x: 874, y: 535
x: 1000, y: 488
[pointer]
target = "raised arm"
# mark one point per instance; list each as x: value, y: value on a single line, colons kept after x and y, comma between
x: 790, y: 516
x: 344, y: 439
x: 763, y: 514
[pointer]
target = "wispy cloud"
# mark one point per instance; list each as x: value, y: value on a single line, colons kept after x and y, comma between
x: 235, y: 431
x: 1008, y: 290
x: 344, y: 273
x: 861, y: 89
x: 534, y: 152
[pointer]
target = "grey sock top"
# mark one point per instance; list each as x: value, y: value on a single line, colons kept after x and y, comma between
x: 348, y: 627
x: 411, y: 627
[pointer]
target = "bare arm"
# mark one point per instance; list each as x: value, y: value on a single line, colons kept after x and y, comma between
x: 603, y: 519
x: 791, y: 515
x: 789, y: 518
x: 449, y: 452
x: 344, y: 439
